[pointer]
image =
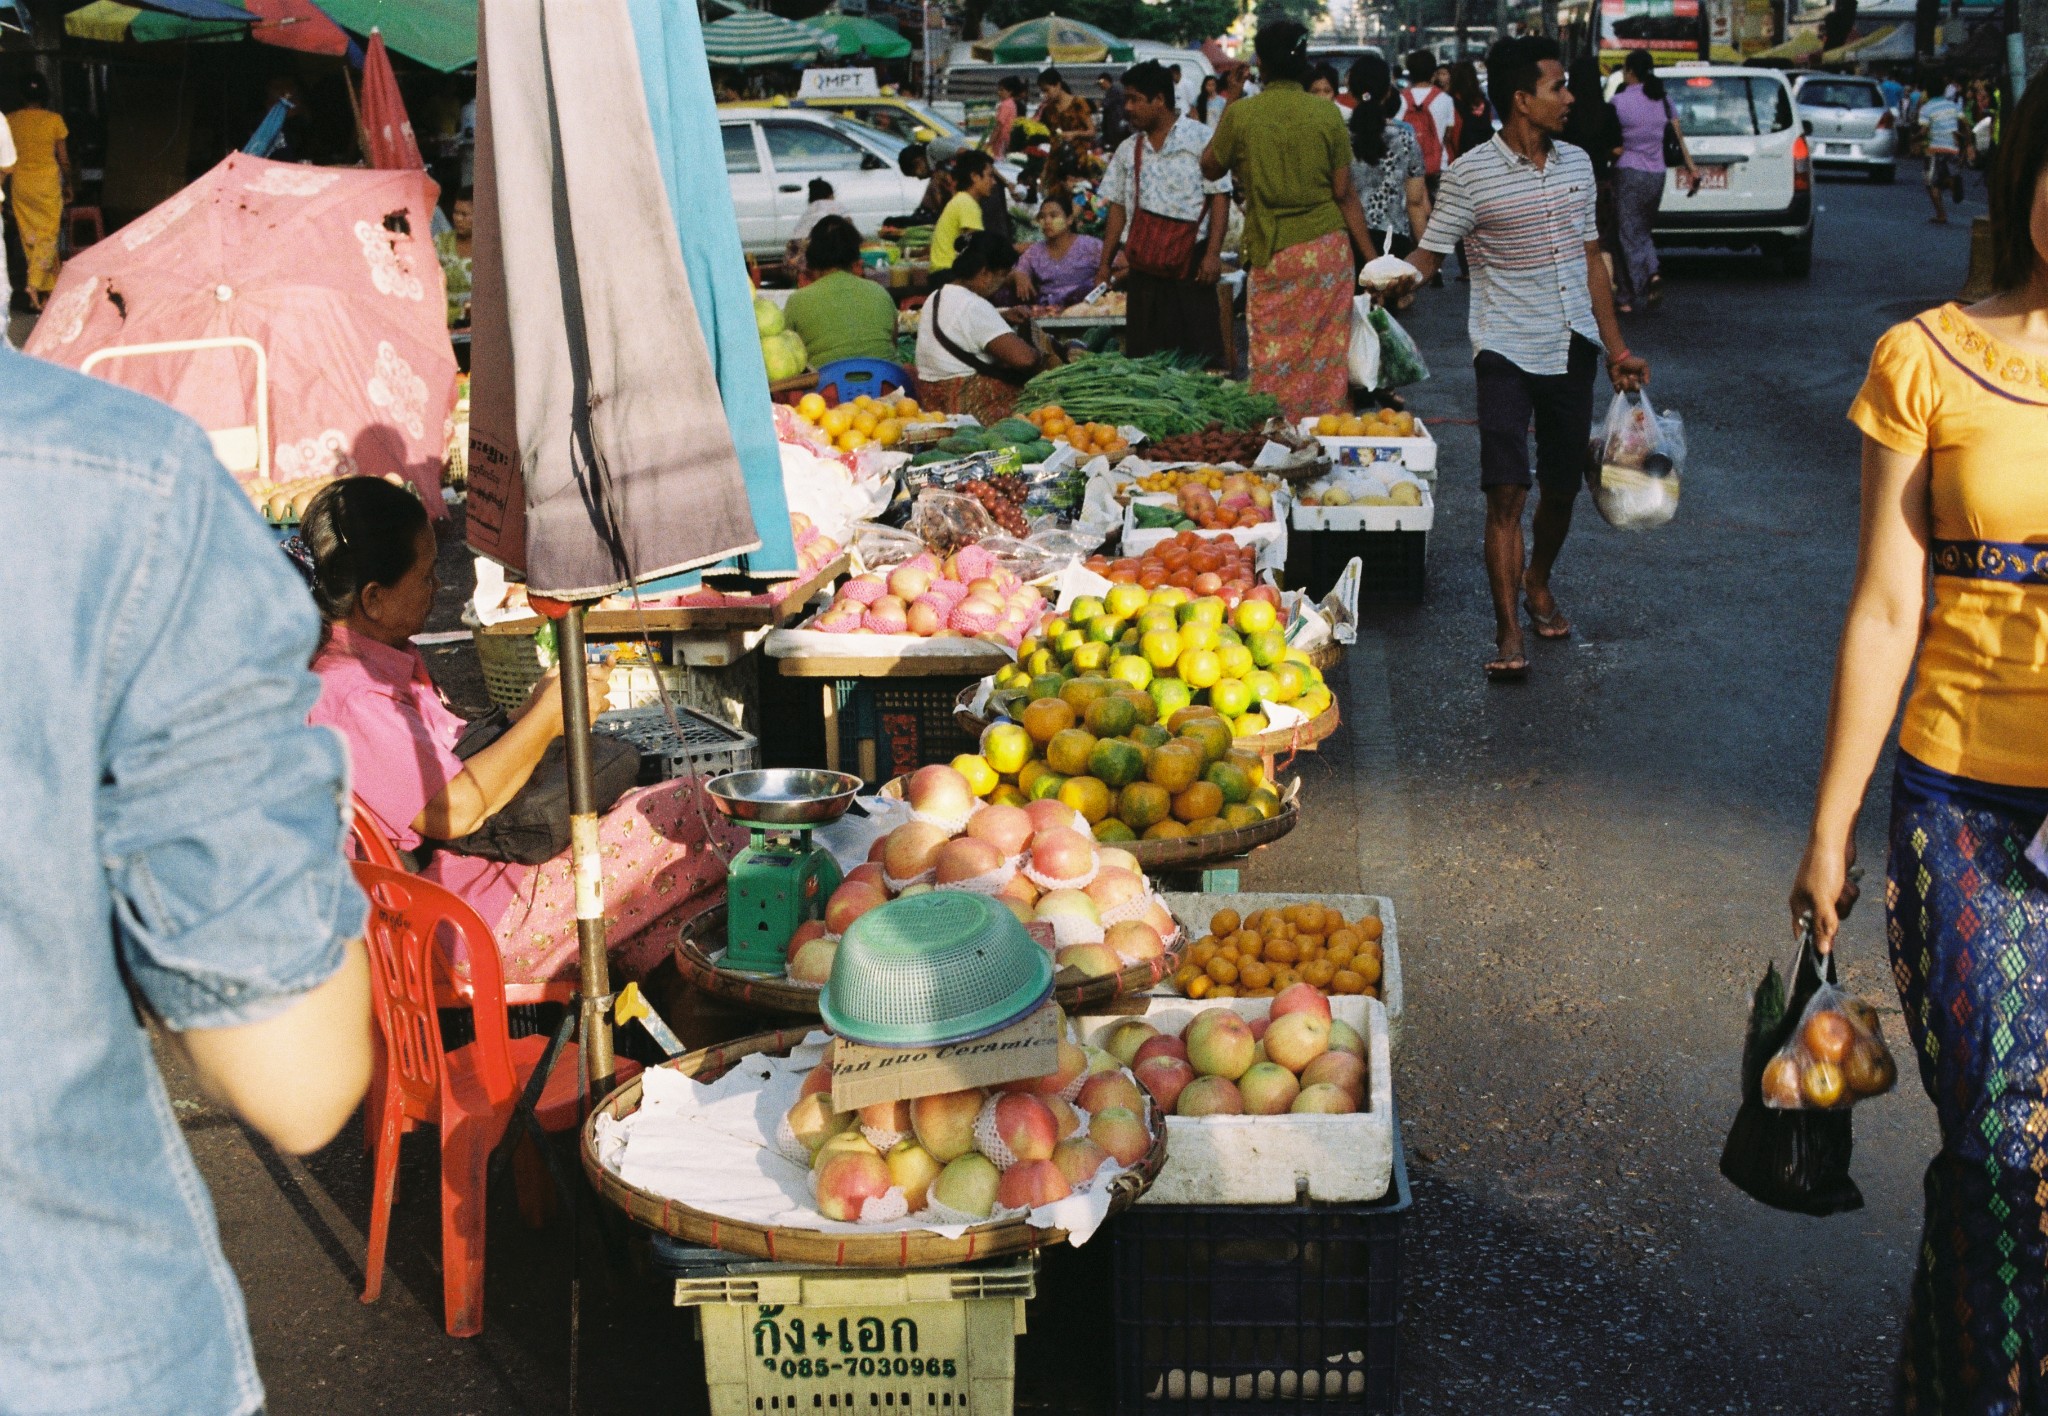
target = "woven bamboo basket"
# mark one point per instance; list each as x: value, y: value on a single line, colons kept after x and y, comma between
x: 896, y: 1249
x: 1071, y: 988
x: 1327, y: 657
x: 1275, y: 740
x: 511, y: 666
x: 1188, y: 851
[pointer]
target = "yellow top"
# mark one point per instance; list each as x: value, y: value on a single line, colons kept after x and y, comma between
x: 962, y: 215
x: 37, y: 131
x: 1940, y: 385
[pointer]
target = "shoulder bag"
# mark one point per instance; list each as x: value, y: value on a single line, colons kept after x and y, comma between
x: 533, y: 827
x: 987, y: 368
x: 1674, y: 150
x: 1158, y: 246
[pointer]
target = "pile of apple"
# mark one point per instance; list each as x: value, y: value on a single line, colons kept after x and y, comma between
x: 1297, y: 1059
x: 967, y: 595
x: 969, y: 1154
x: 1103, y: 919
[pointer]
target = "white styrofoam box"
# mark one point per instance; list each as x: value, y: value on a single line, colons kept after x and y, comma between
x: 1268, y: 539
x: 1269, y: 1160
x: 1417, y: 454
x: 1367, y: 518
x: 1194, y: 911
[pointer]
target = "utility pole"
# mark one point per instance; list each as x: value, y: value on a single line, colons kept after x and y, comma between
x: 1459, y: 24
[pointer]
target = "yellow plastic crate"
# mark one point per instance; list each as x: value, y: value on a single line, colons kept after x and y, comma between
x: 941, y: 1340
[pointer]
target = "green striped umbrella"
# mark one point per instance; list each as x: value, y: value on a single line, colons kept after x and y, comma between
x: 1052, y: 37
x: 860, y: 36
x: 755, y: 39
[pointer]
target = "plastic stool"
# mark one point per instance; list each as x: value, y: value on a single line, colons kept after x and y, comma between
x: 79, y: 215
x: 850, y: 378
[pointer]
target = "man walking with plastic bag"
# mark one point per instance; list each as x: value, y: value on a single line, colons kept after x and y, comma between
x: 1542, y: 315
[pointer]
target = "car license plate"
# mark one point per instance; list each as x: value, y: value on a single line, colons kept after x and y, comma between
x: 1837, y: 149
x: 1713, y: 179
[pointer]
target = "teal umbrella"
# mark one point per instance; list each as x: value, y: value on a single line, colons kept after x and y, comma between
x: 756, y: 39
x: 859, y: 37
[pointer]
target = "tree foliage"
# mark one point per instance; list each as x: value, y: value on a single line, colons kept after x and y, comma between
x: 1306, y: 12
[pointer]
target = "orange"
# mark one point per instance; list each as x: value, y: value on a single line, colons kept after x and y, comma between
x: 1165, y: 831
x: 1198, y: 801
x: 1068, y: 750
x: 1175, y: 766
x: 1045, y: 717
x: 1088, y: 796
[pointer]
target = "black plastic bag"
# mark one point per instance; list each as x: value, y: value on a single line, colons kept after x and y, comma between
x: 1789, y: 1160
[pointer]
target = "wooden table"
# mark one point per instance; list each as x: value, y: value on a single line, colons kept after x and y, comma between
x: 695, y: 619
x: 833, y: 667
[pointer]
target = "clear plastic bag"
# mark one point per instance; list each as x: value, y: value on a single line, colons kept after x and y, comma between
x: 1638, y: 457
x: 884, y: 547
x: 946, y: 521
x: 1833, y: 1058
x: 1365, y: 345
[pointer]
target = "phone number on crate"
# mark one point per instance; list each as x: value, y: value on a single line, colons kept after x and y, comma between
x: 793, y: 1367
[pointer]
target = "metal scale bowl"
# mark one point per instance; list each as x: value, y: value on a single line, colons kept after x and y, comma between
x: 780, y: 879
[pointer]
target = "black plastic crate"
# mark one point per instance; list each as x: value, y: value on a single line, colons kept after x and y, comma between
x: 1254, y: 1309
x: 1393, y: 564
x: 914, y: 722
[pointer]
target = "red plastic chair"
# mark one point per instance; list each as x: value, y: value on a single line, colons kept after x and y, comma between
x: 468, y: 1094
x: 371, y: 837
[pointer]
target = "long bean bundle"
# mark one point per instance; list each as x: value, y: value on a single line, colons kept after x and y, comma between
x: 1154, y: 393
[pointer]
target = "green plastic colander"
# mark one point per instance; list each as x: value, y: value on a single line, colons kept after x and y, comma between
x: 933, y: 969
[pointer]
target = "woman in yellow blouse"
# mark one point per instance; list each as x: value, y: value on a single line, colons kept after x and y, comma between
x: 1952, y: 587
x: 41, y: 185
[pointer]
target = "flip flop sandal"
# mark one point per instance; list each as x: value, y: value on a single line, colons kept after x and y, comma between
x: 1548, y: 627
x: 1514, y: 668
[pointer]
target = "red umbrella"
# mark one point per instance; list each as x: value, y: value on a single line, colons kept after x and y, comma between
x: 296, y: 24
x: 331, y: 270
x: 385, y: 125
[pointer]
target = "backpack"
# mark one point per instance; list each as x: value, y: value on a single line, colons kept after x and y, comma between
x: 1418, y: 117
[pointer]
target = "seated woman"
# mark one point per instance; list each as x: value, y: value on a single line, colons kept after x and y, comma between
x: 373, y: 567
x: 969, y: 360
x: 840, y: 314
x: 1060, y: 269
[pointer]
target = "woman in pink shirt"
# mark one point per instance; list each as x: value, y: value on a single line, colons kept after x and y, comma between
x: 1007, y: 108
x: 373, y: 565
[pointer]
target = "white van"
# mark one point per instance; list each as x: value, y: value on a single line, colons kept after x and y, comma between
x: 1756, y: 165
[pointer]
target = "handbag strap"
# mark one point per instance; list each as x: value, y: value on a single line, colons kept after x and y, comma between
x: 953, y: 347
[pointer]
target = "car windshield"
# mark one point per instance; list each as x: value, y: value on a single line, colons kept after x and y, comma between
x: 1837, y: 93
x: 1728, y: 105
x: 888, y: 144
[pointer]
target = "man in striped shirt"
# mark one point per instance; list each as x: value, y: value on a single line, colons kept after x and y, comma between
x: 1542, y: 313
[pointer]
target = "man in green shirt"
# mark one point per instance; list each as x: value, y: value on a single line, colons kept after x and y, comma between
x: 841, y: 314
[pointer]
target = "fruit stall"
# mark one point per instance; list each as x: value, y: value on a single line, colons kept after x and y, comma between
x: 1002, y: 1009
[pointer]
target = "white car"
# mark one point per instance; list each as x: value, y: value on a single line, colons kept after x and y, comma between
x: 1756, y: 165
x: 1851, y: 125
x: 771, y: 155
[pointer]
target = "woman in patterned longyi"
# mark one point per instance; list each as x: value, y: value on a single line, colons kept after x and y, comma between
x: 1955, y: 419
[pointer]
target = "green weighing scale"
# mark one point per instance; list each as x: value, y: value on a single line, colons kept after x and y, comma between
x: 780, y: 880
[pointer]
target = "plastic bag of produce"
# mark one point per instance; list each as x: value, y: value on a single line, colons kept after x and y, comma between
x: 1365, y: 344
x: 1401, y: 362
x: 1789, y: 1160
x: 883, y: 547
x: 946, y: 521
x: 1638, y: 459
x: 1835, y: 1058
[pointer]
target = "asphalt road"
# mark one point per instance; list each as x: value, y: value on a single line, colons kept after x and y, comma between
x: 1590, y: 872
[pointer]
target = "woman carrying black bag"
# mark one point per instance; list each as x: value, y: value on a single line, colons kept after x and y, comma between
x: 1951, y: 591
x: 373, y: 553
x: 1651, y: 141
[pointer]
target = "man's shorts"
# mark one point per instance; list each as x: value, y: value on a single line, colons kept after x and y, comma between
x: 1943, y: 168
x: 1560, y: 406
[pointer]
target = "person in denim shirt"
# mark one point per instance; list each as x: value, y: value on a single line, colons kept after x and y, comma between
x: 172, y: 850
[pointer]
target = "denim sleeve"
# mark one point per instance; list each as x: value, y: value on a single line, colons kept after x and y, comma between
x: 222, y: 809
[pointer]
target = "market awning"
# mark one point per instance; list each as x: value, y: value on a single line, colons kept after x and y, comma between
x: 756, y: 39
x: 1051, y: 37
x: 111, y: 22
x: 1893, y: 42
x: 860, y: 37
x: 1801, y: 46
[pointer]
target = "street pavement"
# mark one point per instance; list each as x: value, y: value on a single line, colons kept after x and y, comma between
x: 1589, y: 872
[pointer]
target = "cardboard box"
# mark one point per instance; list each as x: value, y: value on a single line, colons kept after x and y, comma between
x: 1367, y: 518
x: 863, y: 1076
x: 1417, y: 454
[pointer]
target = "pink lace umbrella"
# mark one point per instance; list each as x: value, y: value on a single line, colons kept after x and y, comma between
x: 331, y: 270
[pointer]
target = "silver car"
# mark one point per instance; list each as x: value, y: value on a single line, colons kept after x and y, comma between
x: 1849, y: 123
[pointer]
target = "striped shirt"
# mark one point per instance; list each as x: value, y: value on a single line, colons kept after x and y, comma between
x: 1525, y: 230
